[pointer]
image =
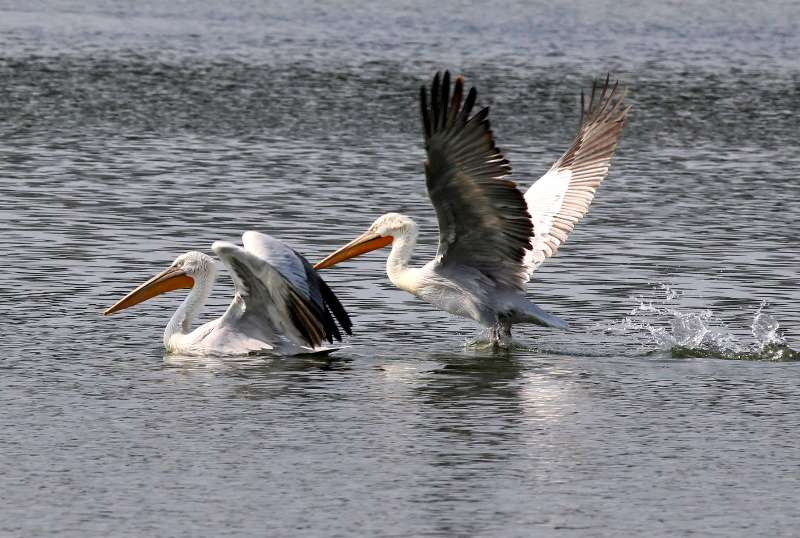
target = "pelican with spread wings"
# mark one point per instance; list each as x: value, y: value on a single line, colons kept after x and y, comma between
x: 281, y: 304
x: 492, y: 237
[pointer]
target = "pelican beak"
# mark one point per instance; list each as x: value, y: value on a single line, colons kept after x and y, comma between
x: 172, y: 279
x: 365, y: 242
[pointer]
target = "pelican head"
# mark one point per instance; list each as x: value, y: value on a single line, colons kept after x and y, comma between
x: 380, y: 234
x: 392, y: 225
x: 182, y: 274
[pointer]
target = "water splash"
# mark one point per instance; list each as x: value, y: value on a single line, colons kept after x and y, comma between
x: 765, y: 328
x: 660, y: 322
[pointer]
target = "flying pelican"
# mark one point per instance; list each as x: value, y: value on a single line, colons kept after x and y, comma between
x: 281, y: 304
x: 491, y: 236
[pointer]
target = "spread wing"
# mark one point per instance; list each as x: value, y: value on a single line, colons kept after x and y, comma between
x: 483, y: 219
x: 274, y: 293
x: 561, y: 197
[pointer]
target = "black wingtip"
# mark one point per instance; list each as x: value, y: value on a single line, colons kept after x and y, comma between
x: 455, y: 102
x: 444, y: 100
x: 326, y: 305
x: 304, y: 320
x: 435, y: 101
x: 332, y: 302
x: 604, y: 101
x: 445, y: 109
x: 469, y: 104
x: 583, y: 108
x: 423, y: 103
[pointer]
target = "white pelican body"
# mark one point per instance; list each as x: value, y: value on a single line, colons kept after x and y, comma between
x: 491, y: 236
x: 461, y: 290
x: 280, y: 305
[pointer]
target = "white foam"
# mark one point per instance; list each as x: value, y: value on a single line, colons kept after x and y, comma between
x: 660, y: 321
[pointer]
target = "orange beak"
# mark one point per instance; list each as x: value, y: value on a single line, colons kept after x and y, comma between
x: 171, y: 279
x: 364, y: 243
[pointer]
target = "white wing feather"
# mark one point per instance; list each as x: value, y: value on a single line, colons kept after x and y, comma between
x: 561, y: 197
x: 280, y: 256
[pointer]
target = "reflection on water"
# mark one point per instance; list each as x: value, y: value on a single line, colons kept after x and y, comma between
x: 132, y: 133
x: 257, y: 377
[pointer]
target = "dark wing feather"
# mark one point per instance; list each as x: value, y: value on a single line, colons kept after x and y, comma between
x: 483, y: 219
x: 305, y: 279
x: 269, y: 299
x: 327, y: 301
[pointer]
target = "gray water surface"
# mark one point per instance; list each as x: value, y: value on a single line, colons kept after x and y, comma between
x: 129, y: 135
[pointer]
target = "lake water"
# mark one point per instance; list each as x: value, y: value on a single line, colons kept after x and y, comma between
x: 129, y: 135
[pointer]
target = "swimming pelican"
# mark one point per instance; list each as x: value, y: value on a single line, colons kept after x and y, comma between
x: 491, y: 236
x: 281, y: 304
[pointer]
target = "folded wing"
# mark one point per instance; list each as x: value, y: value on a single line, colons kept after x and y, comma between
x: 277, y: 291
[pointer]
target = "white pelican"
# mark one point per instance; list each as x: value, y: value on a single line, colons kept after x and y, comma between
x: 491, y: 236
x: 281, y: 304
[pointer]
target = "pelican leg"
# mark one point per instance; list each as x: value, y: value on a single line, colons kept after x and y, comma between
x: 500, y: 333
